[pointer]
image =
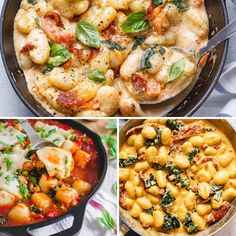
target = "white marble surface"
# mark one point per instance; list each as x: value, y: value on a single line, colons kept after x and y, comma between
x: 12, y: 105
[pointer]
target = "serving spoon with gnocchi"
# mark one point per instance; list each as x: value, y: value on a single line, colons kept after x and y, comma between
x: 105, y: 58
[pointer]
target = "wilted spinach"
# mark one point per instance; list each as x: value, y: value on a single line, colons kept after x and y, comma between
x: 128, y: 162
x: 170, y: 222
x: 189, y: 224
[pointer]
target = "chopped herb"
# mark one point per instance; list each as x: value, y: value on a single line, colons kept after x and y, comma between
x: 34, y: 180
x: 8, y: 163
x: 167, y: 200
x: 45, y: 134
x: 112, y: 45
x: 56, y: 141
x: 157, y: 166
x: 150, y: 182
x: 218, y: 196
x: 97, y: 75
x: 36, y: 210
x: 128, y: 162
x: 8, y: 151
x: 112, y: 125
x: 189, y: 224
x: 173, y: 170
x: 193, y: 152
x: 156, y: 141
x: 150, y: 211
x: 25, y: 172
x: 174, y: 124
x: 10, y: 177
x: 170, y: 222
x: 24, y: 191
x: 184, y: 182
x: 145, y: 60
x: 107, y: 220
x: 21, y: 139
x: 138, y: 41
x: 114, y: 188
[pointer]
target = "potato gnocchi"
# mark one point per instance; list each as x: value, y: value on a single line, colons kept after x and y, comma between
x: 106, y: 57
x: 176, y: 176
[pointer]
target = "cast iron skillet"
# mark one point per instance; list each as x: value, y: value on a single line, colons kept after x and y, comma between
x: 208, y: 78
x: 78, y: 211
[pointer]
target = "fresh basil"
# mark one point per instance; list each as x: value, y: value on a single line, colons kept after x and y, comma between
x: 112, y: 45
x: 8, y: 163
x: 112, y: 125
x: 181, y: 4
x: 2, y: 126
x: 21, y: 139
x: 114, y: 188
x: 176, y: 70
x: 145, y: 60
x: 87, y: 34
x: 138, y: 41
x: 8, y: 151
x: 33, y: 2
x: 97, y: 76
x: 58, y: 56
x: 157, y: 2
x: 135, y: 22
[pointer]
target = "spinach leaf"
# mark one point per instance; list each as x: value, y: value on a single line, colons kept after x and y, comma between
x: 150, y: 182
x: 150, y: 211
x: 193, y: 152
x: 128, y: 162
x: 33, y: 2
x: 58, y: 56
x: 145, y: 60
x: 215, y: 188
x: 181, y: 4
x: 174, y: 124
x: 157, y: 2
x: 87, y: 34
x: 218, y: 196
x: 167, y: 199
x: 36, y: 210
x: 156, y: 141
x: 138, y: 41
x: 170, y: 222
x: 97, y: 76
x: 112, y: 45
x: 135, y: 22
x: 176, y: 70
x: 189, y: 224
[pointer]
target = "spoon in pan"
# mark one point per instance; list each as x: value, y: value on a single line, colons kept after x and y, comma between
x: 218, y: 38
x: 36, y: 142
x: 181, y: 84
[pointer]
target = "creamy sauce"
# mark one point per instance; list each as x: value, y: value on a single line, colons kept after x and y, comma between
x: 187, y: 29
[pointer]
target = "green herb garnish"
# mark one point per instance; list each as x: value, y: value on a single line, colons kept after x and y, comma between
x: 112, y: 45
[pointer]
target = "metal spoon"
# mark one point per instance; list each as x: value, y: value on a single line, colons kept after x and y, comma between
x: 36, y: 141
x: 218, y: 38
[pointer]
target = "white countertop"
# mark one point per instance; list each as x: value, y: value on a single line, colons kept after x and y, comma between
x: 12, y: 105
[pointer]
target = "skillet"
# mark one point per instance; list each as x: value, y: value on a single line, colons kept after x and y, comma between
x: 78, y: 211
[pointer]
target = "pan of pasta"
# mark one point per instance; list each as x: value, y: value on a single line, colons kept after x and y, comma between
x: 177, y: 176
x: 39, y: 187
x: 111, y: 58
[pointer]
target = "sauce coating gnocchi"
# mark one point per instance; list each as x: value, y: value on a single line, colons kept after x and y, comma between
x: 106, y: 57
x: 179, y: 177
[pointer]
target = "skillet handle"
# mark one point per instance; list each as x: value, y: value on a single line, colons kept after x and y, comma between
x: 14, y: 231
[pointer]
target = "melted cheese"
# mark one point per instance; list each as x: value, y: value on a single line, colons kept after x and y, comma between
x: 8, y: 136
x: 58, y: 162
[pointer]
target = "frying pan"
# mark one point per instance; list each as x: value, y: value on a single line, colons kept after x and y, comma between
x: 208, y: 78
x: 78, y: 211
x: 135, y: 228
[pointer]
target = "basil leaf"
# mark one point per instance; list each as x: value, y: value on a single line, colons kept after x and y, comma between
x: 107, y: 220
x: 157, y: 2
x: 33, y: 2
x: 1, y: 173
x: 8, y: 163
x: 135, y: 22
x: 145, y: 60
x: 58, y: 56
x: 112, y: 44
x: 138, y: 41
x: 181, y: 4
x: 112, y: 125
x: 176, y: 70
x: 87, y: 34
x: 97, y: 76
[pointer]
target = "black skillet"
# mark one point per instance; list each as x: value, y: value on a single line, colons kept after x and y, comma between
x: 208, y: 78
x: 78, y: 211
